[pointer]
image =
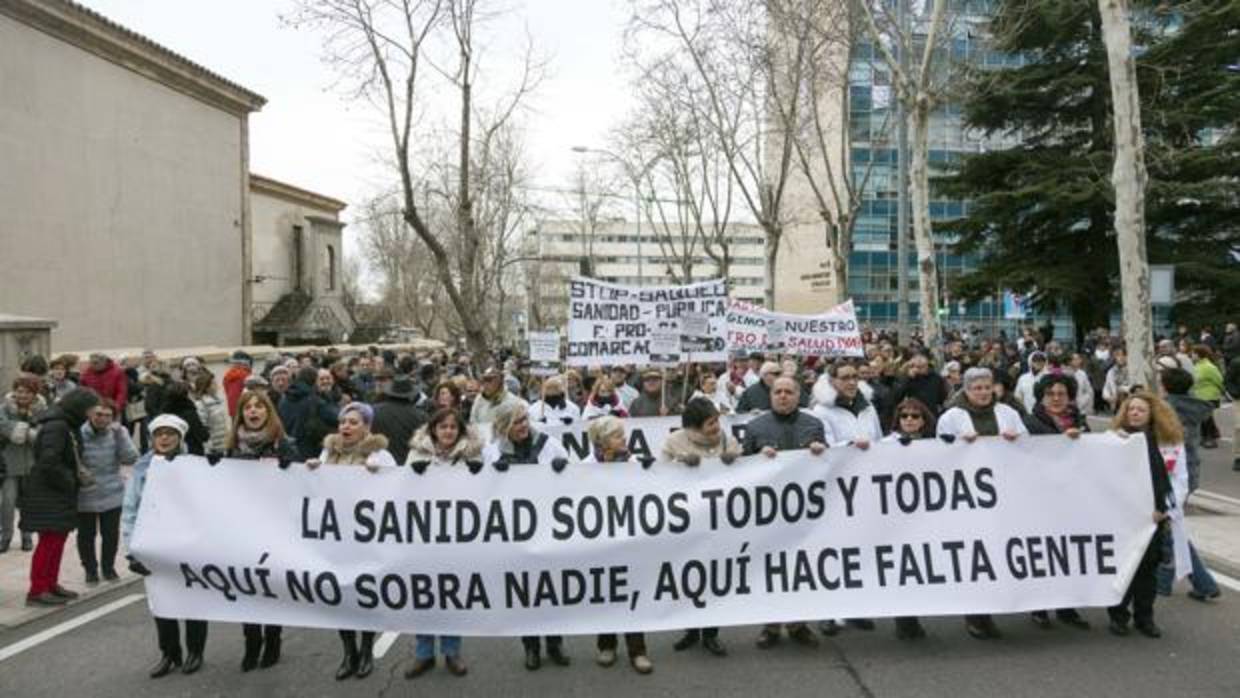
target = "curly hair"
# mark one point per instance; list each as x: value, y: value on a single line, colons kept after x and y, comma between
x: 1164, y: 424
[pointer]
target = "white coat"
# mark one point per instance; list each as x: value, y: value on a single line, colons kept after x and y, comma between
x: 842, y: 426
x: 542, y: 413
x: 1176, y: 459
x: 957, y: 422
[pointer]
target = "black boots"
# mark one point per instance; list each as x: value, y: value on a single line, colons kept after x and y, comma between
x: 271, y: 646
x: 167, y: 664
x: 357, y: 661
x: 193, y: 662
x: 366, y: 656
x: 253, y: 646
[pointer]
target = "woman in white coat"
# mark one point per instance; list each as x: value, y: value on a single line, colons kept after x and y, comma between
x: 554, y: 407
x: 971, y: 414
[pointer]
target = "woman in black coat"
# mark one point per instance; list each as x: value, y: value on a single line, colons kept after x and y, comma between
x: 50, y: 494
x: 257, y: 434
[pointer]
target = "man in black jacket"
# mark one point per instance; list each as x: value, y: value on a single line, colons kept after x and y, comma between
x: 397, y: 416
x: 785, y: 428
x: 923, y: 384
x: 306, y: 416
x: 757, y: 397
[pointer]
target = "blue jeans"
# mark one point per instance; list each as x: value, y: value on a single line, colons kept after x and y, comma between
x: 1201, y: 579
x: 449, y: 645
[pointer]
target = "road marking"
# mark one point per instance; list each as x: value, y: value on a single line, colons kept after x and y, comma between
x: 1226, y: 581
x: 41, y: 637
x: 386, y: 640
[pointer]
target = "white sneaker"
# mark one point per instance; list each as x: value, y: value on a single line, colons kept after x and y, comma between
x: 606, y: 657
x: 641, y: 664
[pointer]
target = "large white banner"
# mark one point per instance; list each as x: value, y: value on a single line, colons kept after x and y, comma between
x: 924, y: 529
x: 610, y: 324
x: 832, y: 333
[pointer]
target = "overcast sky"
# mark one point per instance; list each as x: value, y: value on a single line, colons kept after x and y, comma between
x: 309, y: 135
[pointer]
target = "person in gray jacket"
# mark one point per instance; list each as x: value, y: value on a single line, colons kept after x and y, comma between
x: 106, y: 448
x: 785, y: 428
x: 19, y: 415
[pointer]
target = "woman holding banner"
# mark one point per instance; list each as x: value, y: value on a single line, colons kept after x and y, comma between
x: 258, y: 434
x: 353, y: 444
x: 167, y: 434
x: 1055, y: 412
x: 912, y: 421
x: 445, y: 441
x: 701, y: 436
x: 973, y: 413
x: 515, y: 442
x: 609, y: 444
x: 1146, y: 413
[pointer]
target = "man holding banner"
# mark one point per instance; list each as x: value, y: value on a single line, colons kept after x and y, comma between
x: 785, y: 428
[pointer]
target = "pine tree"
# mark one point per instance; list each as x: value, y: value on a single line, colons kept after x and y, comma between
x: 1041, y: 212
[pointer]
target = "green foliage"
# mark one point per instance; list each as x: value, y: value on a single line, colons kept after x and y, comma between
x: 1041, y: 217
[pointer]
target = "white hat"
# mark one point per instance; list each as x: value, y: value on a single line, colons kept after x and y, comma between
x: 169, y: 421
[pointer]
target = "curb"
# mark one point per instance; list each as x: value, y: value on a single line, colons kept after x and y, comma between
x: 1218, y: 564
x: 51, y: 613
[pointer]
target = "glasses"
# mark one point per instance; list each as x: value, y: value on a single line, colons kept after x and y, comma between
x: 910, y: 415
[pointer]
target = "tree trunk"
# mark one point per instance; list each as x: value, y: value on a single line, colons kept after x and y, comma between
x: 919, y: 192
x: 1129, y: 177
x: 771, y: 250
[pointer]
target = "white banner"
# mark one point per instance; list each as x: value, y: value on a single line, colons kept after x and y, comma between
x: 924, y: 529
x: 544, y: 346
x: 755, y: 329
x: 610, y: 324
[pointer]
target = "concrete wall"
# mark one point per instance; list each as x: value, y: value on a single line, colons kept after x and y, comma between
x: 121, y: 202
x: 272, y: 221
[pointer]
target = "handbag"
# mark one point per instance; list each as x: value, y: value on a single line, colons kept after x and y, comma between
x: 85, y: 478
x: 135, y: 412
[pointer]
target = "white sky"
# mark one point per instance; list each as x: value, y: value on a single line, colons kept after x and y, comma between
x: 308, y: 134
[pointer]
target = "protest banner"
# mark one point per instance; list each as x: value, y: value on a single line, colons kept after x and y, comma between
x: 646, y: 435
x: 544, y: 351
x: 924, y: 529
x: 755, y: 329
x: 610, y: 324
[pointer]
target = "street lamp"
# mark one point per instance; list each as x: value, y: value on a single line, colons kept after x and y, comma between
x: 635, y: 176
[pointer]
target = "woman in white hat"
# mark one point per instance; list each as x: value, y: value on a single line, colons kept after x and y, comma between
x: 167, y: 433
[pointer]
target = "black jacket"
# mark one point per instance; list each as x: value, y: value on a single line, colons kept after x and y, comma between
x: 398, y: 418
x: 783, y: 432
x: 755, y: 397
x: 307, y: 418
x: 931, y: 389
x: 284, y: 449
x: 1041, y: 422
x: 49, y: 495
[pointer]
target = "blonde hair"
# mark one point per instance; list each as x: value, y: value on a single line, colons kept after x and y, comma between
x: 604, y: 428
x: 1163, y: 420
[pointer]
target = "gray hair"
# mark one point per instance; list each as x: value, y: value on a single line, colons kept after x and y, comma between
x: 603, y: 427
x: 504, y: 417
x: 976, y: 374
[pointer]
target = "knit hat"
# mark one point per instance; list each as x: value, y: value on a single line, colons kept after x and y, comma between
x: 366, y: 412
x: 169, y: 421
x: 241, y: 358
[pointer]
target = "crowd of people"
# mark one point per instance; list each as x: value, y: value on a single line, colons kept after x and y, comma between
x: 77, y: 439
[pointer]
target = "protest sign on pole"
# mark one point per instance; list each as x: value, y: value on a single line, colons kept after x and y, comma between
x: 544, y: 349
x: 832, y: 333
x: 924, y: 529
x: 610, y: 324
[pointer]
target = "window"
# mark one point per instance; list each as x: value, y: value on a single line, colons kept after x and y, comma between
x: 331, y: 268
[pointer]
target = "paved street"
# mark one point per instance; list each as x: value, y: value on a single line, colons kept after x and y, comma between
x: 108, y: 656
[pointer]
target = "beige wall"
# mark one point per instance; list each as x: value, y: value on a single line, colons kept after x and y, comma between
x: 272, y: 220
x: 121, y: 201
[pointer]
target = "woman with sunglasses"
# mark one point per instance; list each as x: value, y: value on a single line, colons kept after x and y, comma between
x: 912, y: 421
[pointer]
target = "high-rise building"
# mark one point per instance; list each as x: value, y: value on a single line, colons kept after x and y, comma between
x: 616, y: 252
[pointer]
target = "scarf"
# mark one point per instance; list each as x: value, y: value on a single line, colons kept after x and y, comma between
x: 252, y: 442
x: 340, y: 453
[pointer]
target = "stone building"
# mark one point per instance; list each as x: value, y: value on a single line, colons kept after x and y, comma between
x: 296, y: 276
x: 125, y: 171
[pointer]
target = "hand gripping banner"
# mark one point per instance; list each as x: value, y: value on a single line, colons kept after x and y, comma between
x: 924, y: 529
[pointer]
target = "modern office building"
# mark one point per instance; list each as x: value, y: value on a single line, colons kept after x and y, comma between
x: 613, y: 251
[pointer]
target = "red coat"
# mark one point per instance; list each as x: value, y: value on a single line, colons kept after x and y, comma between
x: 111, y: 383
x: 234, y: 384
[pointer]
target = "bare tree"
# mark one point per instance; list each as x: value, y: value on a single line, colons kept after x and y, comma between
x: 1129, y: 178
x: 383, y: 45
x: 711, y: 51
x: 920, y: 87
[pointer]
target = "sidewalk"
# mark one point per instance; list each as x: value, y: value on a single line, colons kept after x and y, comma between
x: 15, y: 581
x: 1214, y: 527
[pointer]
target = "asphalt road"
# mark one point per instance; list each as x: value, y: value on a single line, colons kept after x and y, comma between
x: 109, y: 656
